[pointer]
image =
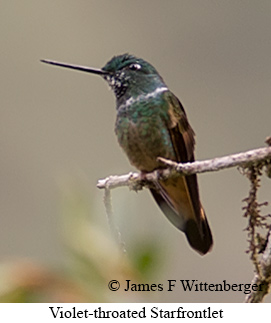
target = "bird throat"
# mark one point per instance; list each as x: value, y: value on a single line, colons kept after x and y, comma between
x: 143, y: 97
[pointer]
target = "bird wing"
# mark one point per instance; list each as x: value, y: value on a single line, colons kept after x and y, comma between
x: 179, y: 197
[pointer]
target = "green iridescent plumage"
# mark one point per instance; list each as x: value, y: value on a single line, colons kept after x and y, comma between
x: 151, y: 123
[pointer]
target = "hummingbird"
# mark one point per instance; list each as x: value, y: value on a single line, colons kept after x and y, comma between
x: 151, y: 122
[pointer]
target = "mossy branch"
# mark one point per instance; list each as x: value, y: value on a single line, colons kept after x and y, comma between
x: 263, y: 278
x: 251, y: 163
x: 136, y: 181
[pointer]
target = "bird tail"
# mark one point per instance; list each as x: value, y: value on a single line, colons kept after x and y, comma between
x: 197, y: 231
x: 199, y: 234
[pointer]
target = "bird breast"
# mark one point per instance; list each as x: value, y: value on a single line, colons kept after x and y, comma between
x: 144, y: 137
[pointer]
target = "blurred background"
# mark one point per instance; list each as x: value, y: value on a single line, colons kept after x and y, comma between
x: 57, y: 139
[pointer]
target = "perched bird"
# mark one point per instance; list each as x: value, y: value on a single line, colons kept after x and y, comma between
x: 151, y: 123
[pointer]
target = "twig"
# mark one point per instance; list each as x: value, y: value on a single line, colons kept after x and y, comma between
x: 135, y: 182
x: 109, y: 212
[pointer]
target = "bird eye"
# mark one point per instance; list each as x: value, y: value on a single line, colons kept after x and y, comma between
x: 135, y: 67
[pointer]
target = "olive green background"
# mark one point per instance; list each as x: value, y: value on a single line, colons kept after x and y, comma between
x: 57, y: 124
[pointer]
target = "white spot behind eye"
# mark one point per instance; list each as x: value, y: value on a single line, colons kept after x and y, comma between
x: 135, y: 66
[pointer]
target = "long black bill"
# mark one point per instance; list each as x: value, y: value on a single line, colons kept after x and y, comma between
x: 76, y: 67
